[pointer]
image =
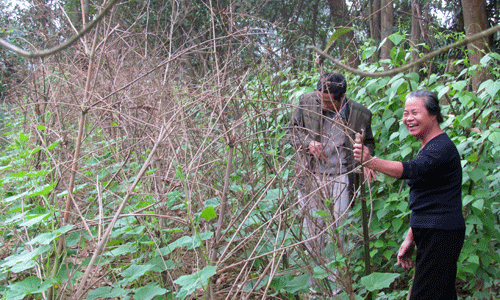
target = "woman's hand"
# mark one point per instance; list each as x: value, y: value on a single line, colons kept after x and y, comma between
x: 370, y: 175
x: 406, y: 252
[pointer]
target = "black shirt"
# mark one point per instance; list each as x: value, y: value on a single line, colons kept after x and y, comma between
x: 435, y: 180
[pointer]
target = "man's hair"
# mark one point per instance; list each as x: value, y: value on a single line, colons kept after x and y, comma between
x: 431, y: 103
x: 332, y: 83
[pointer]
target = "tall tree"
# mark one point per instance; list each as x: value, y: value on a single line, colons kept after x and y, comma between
x: 375, y: 20
x: 415, y: 32
x: 347, y: 45
x: 475, y: 20
x: 386, y: 23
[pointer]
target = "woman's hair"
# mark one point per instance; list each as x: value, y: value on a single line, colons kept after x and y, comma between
x: 332, y: 83
x: 431, y: 103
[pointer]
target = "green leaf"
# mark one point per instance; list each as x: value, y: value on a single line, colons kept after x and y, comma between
x: 413, y: 76
x: 368, y: 52
x: 494, y: 137
x: 467, y: 199
x: 378, y: 281
x: 198, y: 279
x: 212, y: 202
x: 485, y: 60
x: 209, y: 213
x: 272, y: 195
x: 388, y: 123
x: 41, y: 190
x: 251, y: 285
x: 340, y: 31
x: 24, y: 260
x: 41, y: 127
x: 29, y: 286
x: 488, y: 224
x: 121, y: 250
x: 396, y: 38
x: 149, y: 291
x: 32, y: 220
x: 46, y: 238
x: 134, y: 272
x: 476, y: 175
x: 54, y: 144
x: 18, y: 174
x: 298, y: 284
x: 397, y: 223
x: 23, y: 137
x: 107, y: 292
x: 405, y: 152
x: 490, y: 87
x: 459, y: 85
x: 190, y: 242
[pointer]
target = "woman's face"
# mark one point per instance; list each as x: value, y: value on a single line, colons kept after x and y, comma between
x: 417, y: 119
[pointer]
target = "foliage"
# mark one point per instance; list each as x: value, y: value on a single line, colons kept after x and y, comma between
x: 215, y: 213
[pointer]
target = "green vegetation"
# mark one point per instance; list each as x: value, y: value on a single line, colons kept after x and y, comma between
x: 215, y: 212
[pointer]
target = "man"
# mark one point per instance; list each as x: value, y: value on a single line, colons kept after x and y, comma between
x: 322, y: 130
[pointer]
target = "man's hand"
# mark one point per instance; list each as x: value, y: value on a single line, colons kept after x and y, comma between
x: 358, y: 150
x: 405, y: 254
x: 317, y: 150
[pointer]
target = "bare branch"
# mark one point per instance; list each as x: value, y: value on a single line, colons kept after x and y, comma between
x: 63, y: 46
x: 423, y: 59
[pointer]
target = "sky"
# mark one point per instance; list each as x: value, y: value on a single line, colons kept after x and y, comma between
x: 21, y: 3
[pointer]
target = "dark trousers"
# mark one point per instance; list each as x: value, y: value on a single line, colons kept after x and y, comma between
x: 436, y: 266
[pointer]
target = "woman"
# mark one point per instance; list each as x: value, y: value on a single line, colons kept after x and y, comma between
x: 437, y: 225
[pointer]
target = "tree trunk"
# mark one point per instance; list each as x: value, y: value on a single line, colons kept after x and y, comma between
x: 314, y: 25
x: 375, y: 20
x: 415, y: 33
x: 387, y: 20
x: 347, y: 46
x: 475, y: 21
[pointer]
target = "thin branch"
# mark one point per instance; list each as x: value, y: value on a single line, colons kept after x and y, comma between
x: 63, y: 46
x: 102, y: 244
x: 423, y: 59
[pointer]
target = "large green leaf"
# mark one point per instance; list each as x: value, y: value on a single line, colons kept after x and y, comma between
x: 29, y: 286
x: 300, y: 283
x: 46, y: 238
x: 190, y: 283
x: 209, y: 213
x: 134, y: 272
x: 494, y: 137
x: 23, y: 261
x: 149, y: 291
x: 396, y: 38
x: 490, y: 87
x: 107, y: 292
x: 190, y: 242
x: 252, y: 284
x: 377, y: 281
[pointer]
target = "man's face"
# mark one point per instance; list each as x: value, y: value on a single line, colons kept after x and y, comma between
x: 328, y: 101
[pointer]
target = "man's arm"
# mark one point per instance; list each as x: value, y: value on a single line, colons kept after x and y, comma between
x: 298, y: 135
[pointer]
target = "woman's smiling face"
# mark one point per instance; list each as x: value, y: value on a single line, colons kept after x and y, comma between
x: 417, y: 119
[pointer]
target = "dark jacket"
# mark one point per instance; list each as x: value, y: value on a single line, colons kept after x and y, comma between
x: 306, y: 125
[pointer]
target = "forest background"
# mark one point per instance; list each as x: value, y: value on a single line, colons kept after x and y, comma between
x: 147, y: 159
